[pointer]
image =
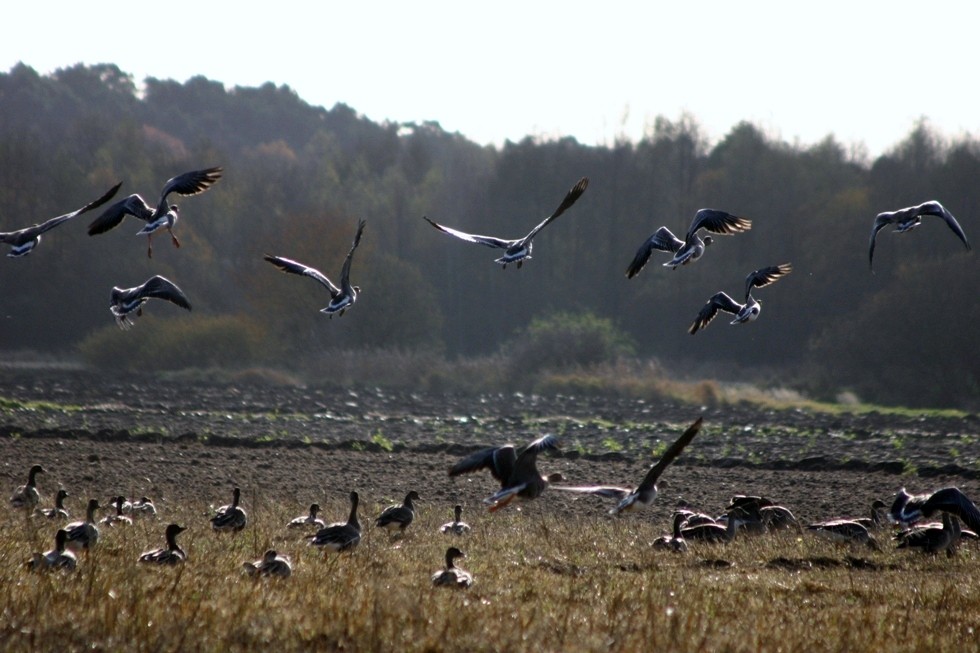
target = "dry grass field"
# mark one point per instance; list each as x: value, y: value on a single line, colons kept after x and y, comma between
x: 557, y: 575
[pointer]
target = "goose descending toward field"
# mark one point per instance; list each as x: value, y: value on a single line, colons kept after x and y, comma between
x: 270, y: 564
x: 451, y: 575
x: 164, y: 216
x: 126, y: 301
x: 517, y: 250
x: 340, y: 298
x: 231, y: 517
x: 518, y: 473
x: 171, y: 554
x: 26, y: 497
x: 341, y: 536
x: 646, y: 491
x: 908, y: 509
x: 908, y: 219
x: 692, y: 247
x: 399, y: 517
x: 746, y: 312
x: 23, y: 241
x: 56, y: 558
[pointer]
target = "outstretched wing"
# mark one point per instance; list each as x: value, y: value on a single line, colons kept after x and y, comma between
x: 605, y: 491
x: 881, y: 220
x: 191, y: 183
x: 162, y: 288
x: 719, y: 302
x: 295, y: 267
x: 345, y: 272
x: 570, y: 198
x: 672, y: 452
x: 54, y: 222
x: 133, y: 205
x: 937, y: 209
x: 663, y: 240
x: 486, y: 241
x: 764, y: 276
x: 499, y: 460
x: 718, y: 222
x: 954, y: 502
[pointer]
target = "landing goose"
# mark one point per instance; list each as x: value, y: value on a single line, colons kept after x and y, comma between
x: 341, y: 536
x: 308, y: 520
x: 56, y: 558
x: 748, y: 311
x: 341, y: 298
x: 23, y: 241
x: 457, y: 526
x: 518, y: 473
x: 171, y: 554
x: 270, y: 564
x: 908, y: 509
x: 399, y: 517
x: 84, y: 534
x: 692, y: 247
x: 164, y: 215
x: 646, y: 491
x: 231, y: 517
x: 451, y: 575
x: 126, y: 301
x: 26, y: 497
x: 908, y: 219
x: 517, y: 250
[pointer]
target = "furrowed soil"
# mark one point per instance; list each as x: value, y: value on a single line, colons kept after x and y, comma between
x: 99, y: 435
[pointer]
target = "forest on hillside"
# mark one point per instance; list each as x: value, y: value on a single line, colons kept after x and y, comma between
x: 298, y: 177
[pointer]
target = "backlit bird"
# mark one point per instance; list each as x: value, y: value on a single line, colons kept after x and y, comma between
x: 908, y: 219
x: 693, y: 246
x: 123, y: 302
x: 747, y: 312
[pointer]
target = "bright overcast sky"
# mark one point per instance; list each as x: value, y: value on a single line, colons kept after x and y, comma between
x: 863, y: 71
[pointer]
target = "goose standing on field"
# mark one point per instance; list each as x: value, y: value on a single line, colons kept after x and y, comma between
x: 305, y: 521
x: 143, y: 507
x: 518, y: 473
x: 171, y: 554
x: 457, y: 526
x: 931, y: 539
x: 231, y: 517
x: 341, y: 536
x: 56, y: 558
x: 692, y: 247
x: 340, y: 298
x: 118, y: 519
x: 908, y: 219
x: 646, y: 491
x: 23, y: 241
x: 451, y: 575
x: 84, y: 534
x: 58, y: 512
x: 123, y: 302
x: 517, y: 250
x: 399, y: 517
x: 164, y: 216
x: 748, y: 311
x: 26, y: 497
x: 714, y: 532
x: 845, y: 531
x: 270, y: 564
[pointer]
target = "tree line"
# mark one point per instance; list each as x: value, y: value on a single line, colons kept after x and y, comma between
x: 298, y: 177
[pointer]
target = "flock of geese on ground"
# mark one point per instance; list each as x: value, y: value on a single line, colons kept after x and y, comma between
x: 520, y: 480
x: 127, y: 302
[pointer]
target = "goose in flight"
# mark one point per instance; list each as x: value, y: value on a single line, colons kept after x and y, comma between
x: 646, y: 491
x: 516, y: 251
x: 126, y: 301
x: 908, y: 508
x: 746, y: 312
x: 908, y: 219
x: 518, y: 473
x: 23, y: 241
x: 692, y: 247
x: 164, y: 216
x: 340, y: 298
